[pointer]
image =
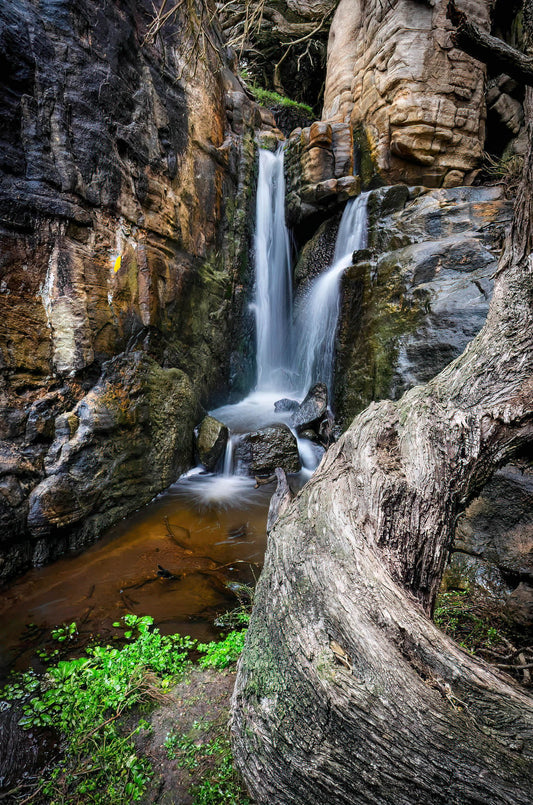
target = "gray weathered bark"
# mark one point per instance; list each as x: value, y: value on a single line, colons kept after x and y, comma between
x: 347, y: 693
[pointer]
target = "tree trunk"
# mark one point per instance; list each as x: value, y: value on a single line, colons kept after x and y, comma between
x: 346, y: 692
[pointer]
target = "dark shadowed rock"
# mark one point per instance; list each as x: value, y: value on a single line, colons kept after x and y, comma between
x: 310, y: 434
x: 312, y: 408
x: 211, y: 442
x: 262, y: 451
x: 493, y: 545
x: 497, y: 527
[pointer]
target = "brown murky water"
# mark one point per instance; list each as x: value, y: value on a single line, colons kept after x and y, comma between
x: 217, y: 534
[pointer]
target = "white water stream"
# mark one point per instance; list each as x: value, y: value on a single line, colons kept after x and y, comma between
x: 273, y: 278
x: 291, y: 355
x: 319, y: 314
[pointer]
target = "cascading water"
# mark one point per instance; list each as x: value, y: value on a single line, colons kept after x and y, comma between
x: 221, y: 516
x: 281, y: 369
x: 273, y: 280
x: 319, y: 311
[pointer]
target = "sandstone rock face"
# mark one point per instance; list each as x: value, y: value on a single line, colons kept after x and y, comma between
x: 116, y: 153
x: 319, y: 169
x: 419, y: 293
x: 415, y: 100
x: 264, y: 450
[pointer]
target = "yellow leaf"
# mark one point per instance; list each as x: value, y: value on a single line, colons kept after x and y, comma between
x: 118, y: 261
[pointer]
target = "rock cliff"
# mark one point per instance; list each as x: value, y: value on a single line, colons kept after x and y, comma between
x: 120, y: 148
x: 415, y: 101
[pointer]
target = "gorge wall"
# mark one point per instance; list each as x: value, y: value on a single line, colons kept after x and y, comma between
x: 126, y: 170
x: 127, y: 175
x: 415, y: 101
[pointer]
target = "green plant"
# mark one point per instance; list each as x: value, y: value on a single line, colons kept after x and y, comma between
x: 221, y: 783
x: 211, y: 757
x: 459, y: 615
x: 221, y: 654
x: 170, y: 744
x: 64, y: 632
x: 506, y: 169
x: 267, y: 97
x: 239, y: 616
x: 82, y: 700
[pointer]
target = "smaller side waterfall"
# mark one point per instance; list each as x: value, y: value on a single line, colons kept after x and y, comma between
x: 273, y: 293
x: 319, y: 313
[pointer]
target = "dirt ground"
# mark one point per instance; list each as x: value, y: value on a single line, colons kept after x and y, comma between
x: 199, y: 710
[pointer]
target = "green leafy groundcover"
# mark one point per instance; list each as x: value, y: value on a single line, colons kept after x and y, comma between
x: 83, y: 700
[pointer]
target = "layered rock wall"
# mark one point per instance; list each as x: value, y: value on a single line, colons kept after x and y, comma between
x: 118, y: 152
x: 415, y: 102
x: 319, y: 167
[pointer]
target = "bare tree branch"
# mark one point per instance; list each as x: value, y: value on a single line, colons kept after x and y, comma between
x: 489, y: 49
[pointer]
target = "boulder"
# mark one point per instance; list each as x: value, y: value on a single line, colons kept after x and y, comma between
x: 286, y: 404
x: 312, y: 409
x: 211, y: 441
x: 128, y: 438
x: 419, y: 293
x: 264, y: 450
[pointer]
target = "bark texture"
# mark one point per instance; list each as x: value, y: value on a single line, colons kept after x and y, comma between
x: 346, y: 691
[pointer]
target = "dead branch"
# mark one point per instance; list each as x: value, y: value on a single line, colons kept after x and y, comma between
x: 494, y: 52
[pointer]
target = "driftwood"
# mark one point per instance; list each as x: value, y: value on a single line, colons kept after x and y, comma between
x: 262, y: 481
x: 346, y: 691
x: 279, y: 500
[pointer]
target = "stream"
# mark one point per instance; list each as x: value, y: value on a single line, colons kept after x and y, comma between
x: 182, y: 557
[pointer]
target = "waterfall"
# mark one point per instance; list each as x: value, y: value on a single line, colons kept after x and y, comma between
x: 283, y: 370
x: 273, y: 280
x: 319, y: 312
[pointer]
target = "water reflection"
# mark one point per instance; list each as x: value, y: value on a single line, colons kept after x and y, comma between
x: 204, y: 531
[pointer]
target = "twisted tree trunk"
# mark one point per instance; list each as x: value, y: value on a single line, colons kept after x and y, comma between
x: 347, y: 693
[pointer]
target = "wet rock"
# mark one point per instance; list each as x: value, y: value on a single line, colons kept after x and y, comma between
x: 419, y: 293
x: 310, y: 435
x: 211, y: 442
x: 286, y: 405
x: 261, y: 452
x: 312, y: 409
x: 134, y: 436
